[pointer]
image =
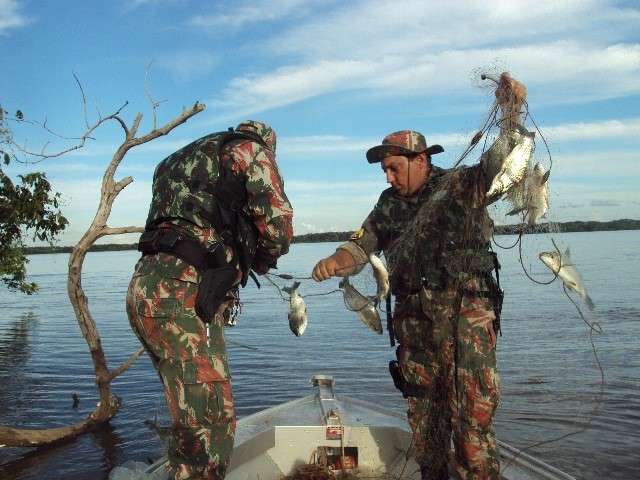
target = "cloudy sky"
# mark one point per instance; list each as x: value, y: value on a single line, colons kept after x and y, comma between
x: 332, y: 77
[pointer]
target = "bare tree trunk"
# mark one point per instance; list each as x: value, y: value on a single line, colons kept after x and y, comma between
x: 108, y: 405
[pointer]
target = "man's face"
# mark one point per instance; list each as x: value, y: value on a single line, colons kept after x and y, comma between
x: 406, y: 176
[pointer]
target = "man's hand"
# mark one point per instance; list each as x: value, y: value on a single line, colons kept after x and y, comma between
x: 340, y: 264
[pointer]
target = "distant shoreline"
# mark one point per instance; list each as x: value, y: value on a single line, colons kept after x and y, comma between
x: 575, y: 226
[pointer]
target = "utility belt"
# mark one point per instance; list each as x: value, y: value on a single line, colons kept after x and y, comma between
x: 217, y: 276
x: 458, y: 271
x: 412, y: 303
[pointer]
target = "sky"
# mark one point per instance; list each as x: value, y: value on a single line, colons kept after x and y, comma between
x: 332, y: 78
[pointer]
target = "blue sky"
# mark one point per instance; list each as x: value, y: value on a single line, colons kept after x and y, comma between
x: 332, y: 78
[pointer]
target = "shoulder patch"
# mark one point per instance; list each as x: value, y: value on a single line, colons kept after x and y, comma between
x: 357, y: 235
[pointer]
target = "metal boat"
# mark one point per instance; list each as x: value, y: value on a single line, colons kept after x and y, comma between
x: 339, y: 435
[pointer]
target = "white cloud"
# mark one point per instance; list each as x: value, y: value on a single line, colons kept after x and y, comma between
x: 187, y: 64
x: 246, y: 13
x: 348, y: 187
x: 607, y: 129
x: 377, y: 48
x: 595, y: 130
x: 160, y: 145
x: 324, y: 144
x: 134, y: 4
x: 581, y: 73
x: 601, y: 165
x: 10, y: 16
x: 286, y: 85
x: 372, y: 29
x: 80, y: 202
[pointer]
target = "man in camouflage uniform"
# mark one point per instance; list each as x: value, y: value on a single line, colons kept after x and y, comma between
x: 209, y: 198
x: 434, y: 230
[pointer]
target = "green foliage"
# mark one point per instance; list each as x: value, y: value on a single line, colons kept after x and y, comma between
x: 28, y: 207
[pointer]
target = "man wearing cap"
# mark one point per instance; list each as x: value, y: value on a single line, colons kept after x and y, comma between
x: 435, y: 232
x: 218, y: 212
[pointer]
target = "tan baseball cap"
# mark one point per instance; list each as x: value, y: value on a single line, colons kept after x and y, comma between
x: 404, y: 142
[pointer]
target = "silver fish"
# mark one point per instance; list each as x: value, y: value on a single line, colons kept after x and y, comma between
x: 363, y: 306
x: 297, y: 310
x: 514, y: 166
x: 562, y: 265
x: 382, y: 277
x: 531, y: 196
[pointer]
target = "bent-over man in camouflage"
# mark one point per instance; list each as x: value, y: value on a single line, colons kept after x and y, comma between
x: 218, y: 211
x: 434, y: 230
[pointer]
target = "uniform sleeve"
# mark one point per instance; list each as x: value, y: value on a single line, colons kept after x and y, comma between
x: 365, y: 241
x: 267, y: 203
x: 469, y: 186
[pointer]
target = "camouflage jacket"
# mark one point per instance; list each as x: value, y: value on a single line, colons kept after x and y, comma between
x: 183, y: 196
x: 439, y: 235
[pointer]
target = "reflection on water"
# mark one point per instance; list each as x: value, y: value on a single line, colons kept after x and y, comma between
x: 550, y: 383
x: 15, y: 351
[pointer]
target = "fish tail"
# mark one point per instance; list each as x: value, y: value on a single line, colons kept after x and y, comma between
x: 292, y: 288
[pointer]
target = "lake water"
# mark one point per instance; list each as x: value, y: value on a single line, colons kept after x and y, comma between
x: 550, y: 381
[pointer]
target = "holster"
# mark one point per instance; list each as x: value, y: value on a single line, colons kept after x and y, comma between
x: 407, y: 389
x: 247, y: 245
x: 212, y: 292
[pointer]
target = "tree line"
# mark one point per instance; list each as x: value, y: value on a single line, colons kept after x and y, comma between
x: 574, y: 226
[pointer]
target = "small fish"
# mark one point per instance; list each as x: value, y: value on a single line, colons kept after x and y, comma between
x: 382, y: 277
x: 531, y: 196
x: 363, y: 306
x: 514, y: 166
x: 297, y: 310
x: 370, y: 317
x: 562, y: 265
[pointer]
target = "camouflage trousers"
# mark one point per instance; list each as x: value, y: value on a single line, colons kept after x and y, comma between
x: 192, y: 366
x: 447, y: 345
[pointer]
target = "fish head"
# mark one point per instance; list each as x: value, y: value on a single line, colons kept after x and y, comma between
x: 298, y: 327
x: 525, y: 133
x: 553, y: 260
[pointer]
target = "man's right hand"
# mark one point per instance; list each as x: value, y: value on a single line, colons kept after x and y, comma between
x: 325, y: 269
x: 340, y: 264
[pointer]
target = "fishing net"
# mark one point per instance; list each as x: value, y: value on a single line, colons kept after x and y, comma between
x: 519, y: 209
x: 359, y: 290
x: 515, y: 217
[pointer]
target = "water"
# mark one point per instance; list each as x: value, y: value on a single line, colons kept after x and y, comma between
x: 550, y: 382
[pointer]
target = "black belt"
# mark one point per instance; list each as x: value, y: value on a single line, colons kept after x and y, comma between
x: 166, y: 240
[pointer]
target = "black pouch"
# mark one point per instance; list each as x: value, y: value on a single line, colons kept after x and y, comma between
x: 247, y: 245
x: 497, y: 300
x: 407, y: 389
x: 212, y: 292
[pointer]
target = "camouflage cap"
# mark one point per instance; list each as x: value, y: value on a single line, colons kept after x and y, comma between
x: 404, y: 142
x: 264, y: 131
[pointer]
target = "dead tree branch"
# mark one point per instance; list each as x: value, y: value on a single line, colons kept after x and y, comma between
x: 108, y: 405
x: 130, y: 361
x: 42, y: 155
